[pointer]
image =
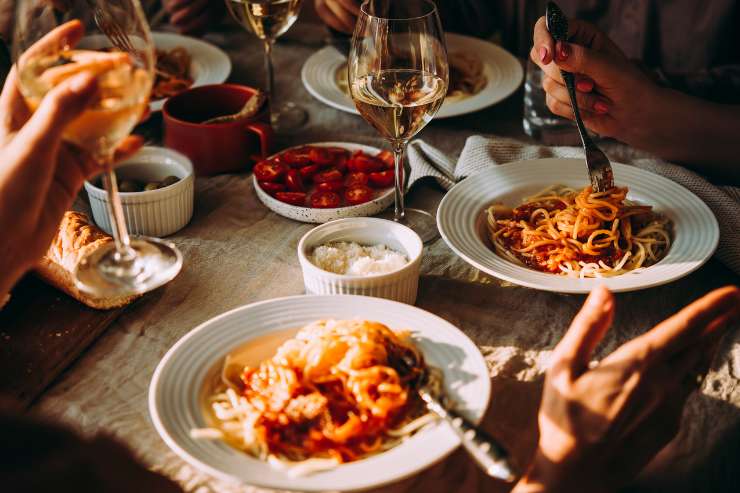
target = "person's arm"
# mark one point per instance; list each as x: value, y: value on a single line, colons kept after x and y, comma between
x: 601, y: 424
x: 194, y: 16
x: 619, y: 100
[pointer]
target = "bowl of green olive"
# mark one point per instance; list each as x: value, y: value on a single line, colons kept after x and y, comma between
x: 157, y: 190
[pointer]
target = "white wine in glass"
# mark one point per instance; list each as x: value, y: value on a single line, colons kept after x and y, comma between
x: 268, y: 20
x: 398, y: 78
x: 110, y: 40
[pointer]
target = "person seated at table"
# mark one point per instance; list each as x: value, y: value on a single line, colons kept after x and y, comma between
x: 617, y: 99
x: 600, y: 425
x: 689, y: 44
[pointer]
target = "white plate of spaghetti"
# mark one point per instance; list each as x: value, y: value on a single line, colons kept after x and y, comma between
x: 537, y: 224
x: 481, y: 74
x: 315, y: 393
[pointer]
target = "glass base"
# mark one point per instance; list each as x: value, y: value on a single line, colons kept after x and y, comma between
x: 288, y: 118
x: 420, y: 222
x: 104, y: 274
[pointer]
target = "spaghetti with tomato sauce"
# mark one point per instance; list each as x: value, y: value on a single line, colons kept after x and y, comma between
x: 579, y: 233
x: 336, y: 392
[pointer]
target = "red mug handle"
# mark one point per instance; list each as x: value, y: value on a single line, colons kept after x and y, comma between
x: 266, y: 135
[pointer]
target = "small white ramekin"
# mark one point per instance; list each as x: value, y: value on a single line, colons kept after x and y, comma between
x: 401, y: 285
x: 155, y: 213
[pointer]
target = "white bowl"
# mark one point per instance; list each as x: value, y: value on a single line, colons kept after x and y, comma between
x: 400, y: 285
x: 156, y: 213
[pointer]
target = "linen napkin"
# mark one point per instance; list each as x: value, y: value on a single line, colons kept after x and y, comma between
x: 481, y: 152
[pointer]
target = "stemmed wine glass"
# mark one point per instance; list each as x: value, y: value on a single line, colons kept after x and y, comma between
x: 268, y: 20
x: 398, y: 78
x: 111, y: 41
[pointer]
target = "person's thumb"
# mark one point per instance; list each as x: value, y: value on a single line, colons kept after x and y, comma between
x: 586, y: 331
x: 597, y: 65
x: 58, y: 109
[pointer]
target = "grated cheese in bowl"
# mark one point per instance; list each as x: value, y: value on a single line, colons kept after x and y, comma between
x: 353, y: 259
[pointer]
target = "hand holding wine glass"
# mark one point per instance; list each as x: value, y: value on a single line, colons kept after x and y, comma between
x: 108, y: 42
x: 398, y: 76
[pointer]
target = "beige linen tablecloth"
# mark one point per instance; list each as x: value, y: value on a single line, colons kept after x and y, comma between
x: 237, y: 252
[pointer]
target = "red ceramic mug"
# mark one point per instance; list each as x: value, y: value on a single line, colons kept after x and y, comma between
x: 219, y: 147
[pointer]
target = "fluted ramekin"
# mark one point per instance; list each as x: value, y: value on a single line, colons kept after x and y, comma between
x: 160, y: 212
x: 400, y: 285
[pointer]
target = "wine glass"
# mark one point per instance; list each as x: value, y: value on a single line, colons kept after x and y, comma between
x: 111, y: 40
x: 268, y: 20
x: 398, y: 78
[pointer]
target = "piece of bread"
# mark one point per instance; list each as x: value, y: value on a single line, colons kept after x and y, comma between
x: 76, y: 237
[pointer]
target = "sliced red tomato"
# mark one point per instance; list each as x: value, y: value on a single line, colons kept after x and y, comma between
x: 297, y: 157
x: 272, y: 188
x: 358, y: 194
x: 293, y: 181
x: 325, y: 200
x: 307, y: 172
x: 320, y: 156
x: 328, y: 175
x: 367, y: 164
x: 357, y: 178
x: 268, y: 170
x: 382, y: 179
x: 330, y: 186
x: 292, y: 198
x: 387, y: 158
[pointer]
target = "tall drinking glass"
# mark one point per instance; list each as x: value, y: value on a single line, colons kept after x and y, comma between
x: 398, y: 77
x: 268, y: 20
x: 113, y: 43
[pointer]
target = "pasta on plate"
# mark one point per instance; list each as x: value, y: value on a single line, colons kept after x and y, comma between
x: 336, y: 392
x: 579, y: 233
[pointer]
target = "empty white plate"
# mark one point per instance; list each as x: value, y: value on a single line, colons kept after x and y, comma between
x: 503, y: 72
x: 461, y: 222
x: 177, y: 387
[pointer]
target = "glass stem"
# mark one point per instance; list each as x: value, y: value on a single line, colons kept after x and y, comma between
x: 399, y: 149
x: 124, y: 252
x: 269, y: 73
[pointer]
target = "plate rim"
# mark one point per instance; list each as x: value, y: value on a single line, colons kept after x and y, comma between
x: 156, y: 106
x: 568, y: 285
x: 172, y: 443
x: 450, y: 113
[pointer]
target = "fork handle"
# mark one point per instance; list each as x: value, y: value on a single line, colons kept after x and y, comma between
x: 570, y: 83
x: 482, y: 447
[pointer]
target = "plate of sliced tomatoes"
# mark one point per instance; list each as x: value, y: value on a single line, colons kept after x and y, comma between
x: 317, y: 183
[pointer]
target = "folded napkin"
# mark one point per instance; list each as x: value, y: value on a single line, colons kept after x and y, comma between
x: 480, y: 152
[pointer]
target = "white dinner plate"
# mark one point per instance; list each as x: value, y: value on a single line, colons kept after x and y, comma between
x: 383, y: 197
x: 177, y: 388
x: 209, y: 64
x: 461, y: 222
x: 503, y: 71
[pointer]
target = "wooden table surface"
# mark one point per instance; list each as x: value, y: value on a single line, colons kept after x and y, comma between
x: 237, y: 252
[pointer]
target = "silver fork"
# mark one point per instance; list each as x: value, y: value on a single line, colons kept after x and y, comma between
x: 599, y: 169
x: 110, y: 28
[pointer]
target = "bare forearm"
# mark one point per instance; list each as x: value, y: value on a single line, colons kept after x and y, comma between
x: 696, y: 133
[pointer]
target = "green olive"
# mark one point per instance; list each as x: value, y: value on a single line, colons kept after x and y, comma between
x: 152, y: 185
x: 128, y: 186
x: 170, y: 180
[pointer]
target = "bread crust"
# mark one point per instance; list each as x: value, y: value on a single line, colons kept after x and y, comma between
x: 76, y: 237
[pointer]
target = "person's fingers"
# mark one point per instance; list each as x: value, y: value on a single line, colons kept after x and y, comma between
x: 586, y: 101
x: 543, y: 48
x: 58, y: 108
x: 586, y: 331
x: 345, y: 17
x: 351, y: 6
x: 707, y: 315
x: 126, y: 149
x: 566, y: 111
x: 13, y: 108
x: 328, y: 17
x: 65, y: 36
x: 596, y: 65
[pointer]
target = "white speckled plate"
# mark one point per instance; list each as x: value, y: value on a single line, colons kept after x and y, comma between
x: 178, y: 383
x: 209, y: 64
x: 503, y: 71
x: 461, y: 222
x: 383, y: 198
